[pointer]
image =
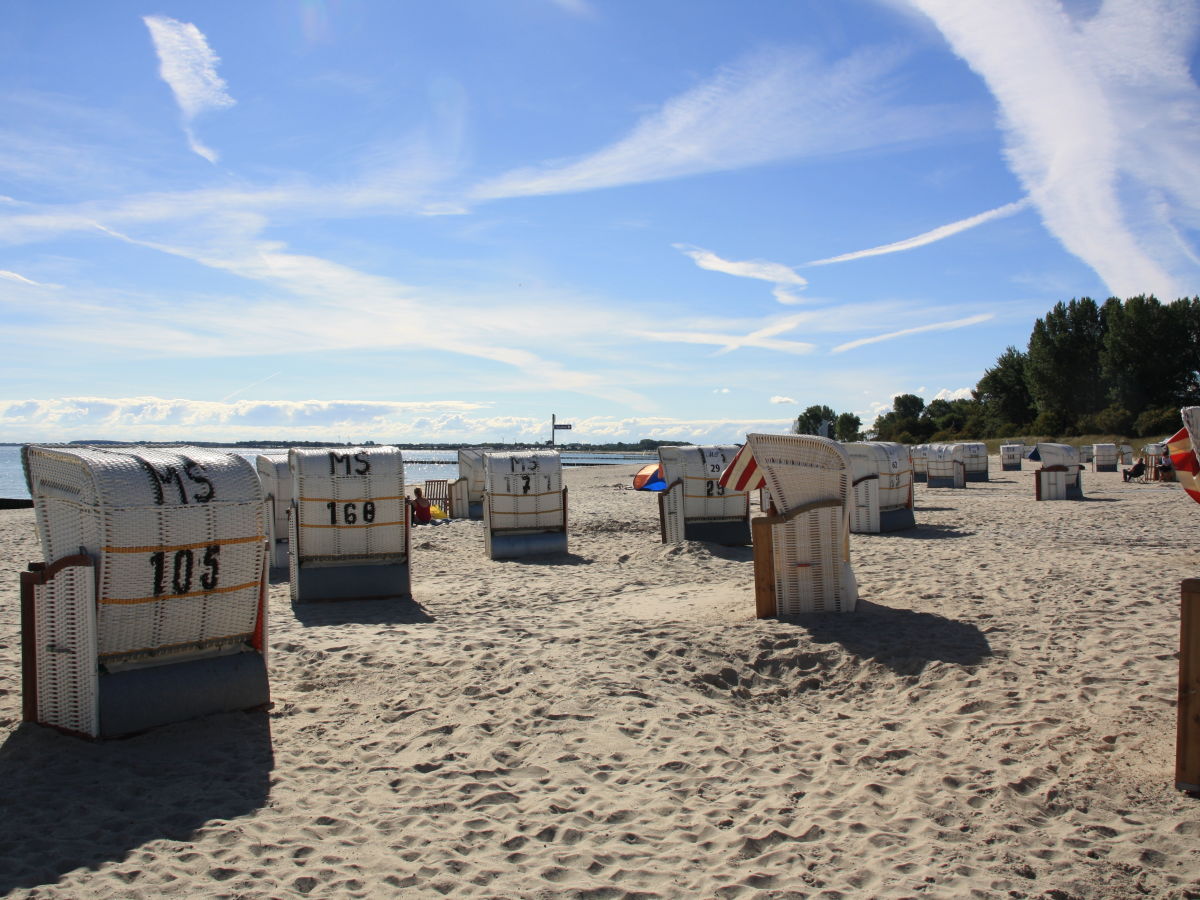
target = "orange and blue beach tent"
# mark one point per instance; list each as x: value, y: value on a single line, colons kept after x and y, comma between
x: 650, y: 478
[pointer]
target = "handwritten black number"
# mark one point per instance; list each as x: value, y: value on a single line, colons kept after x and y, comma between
x: 368, y: 511
x: 208, y: 580
x: 158, y: 562
x: 525, y: 484
x: 350, y: 512
x: 189, y: 469
x: 364, y: 464
x: 712, y: 489
x: 181, y: 581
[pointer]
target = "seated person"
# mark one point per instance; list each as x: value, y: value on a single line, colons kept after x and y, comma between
x: 1166, y: 471
x: 421, y: 512
x: 1137, y: 470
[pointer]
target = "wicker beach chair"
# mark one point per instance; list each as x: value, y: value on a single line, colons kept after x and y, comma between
x: 946, y: 466
x: 1011, y: 456
x: 882, y: 487
x: 1105, y: 457
x: 1060, y: 477
x: 695, y: 506
x: 466, y: 491
x: 975, y: 461
x: 919, y: 455
x: 802, y: 552
x: 524, y: 504
x: 150, y: 606
x: 348, y: 524
x: 276, y: 479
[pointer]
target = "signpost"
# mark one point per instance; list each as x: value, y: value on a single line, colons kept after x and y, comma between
x: 555, y: 426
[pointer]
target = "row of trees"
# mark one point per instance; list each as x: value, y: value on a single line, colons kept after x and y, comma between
x: 1121, y: 368
x: 824, y: 421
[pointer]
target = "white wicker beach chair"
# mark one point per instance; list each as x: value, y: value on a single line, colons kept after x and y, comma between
x: 882, y: 487
x: 466, y: 491
x: 1104, y: 457
x: 1086, y: 453
x: 695, y: 507
x: 1011, y: 456
x: 918, y: 454
x: 975, y: 461
x: 150, y: 606
x: 349, y: 524
x: 276, y: 479
x: 1126, y: 454
x: 946, y: 466
x: 1059, y: 477
x: 524, y: 504
x: 802, y: 553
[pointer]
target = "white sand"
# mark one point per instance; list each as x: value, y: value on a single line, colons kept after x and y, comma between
x: 997, y: 720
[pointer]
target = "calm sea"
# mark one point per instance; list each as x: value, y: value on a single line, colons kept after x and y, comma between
x: 419, y: 466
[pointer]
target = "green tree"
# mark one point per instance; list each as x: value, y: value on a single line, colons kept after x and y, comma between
x: 1063, y: 363
x: 903, y: 422
x: 1003, y: 394
x: 848, y: 427
x: 811, y: 420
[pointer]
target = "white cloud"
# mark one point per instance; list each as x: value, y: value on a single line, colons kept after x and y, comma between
x: 955, y: 394
x: 720, y: 390
x: 1099, y: 120
x: 21, y: 279
x: 784, y: 400
x: 189, y: 67
x: 931, y: 236
x: 786, y: 297
x: 936, y: 326
x: 763, y: 270
x: 156, y: 418
x: 772, y: 106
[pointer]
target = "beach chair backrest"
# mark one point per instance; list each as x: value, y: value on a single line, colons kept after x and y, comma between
x: 1011, y: 453
x: 470, y: 467
x: 811, y: 551
x: 177, y: 536
x: 699, y: 469
x: 348, y: 504
x: 276, y: 479
x: 1058, y: 455
x: 945, y: 465
x: 1104, y: 457
x: 975, y: 457
x: 891, y: 465
x: 524, y: 490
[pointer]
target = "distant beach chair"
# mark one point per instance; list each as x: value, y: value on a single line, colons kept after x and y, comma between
x: 882, y: 487
x: 694, y: 506
x: 150, y: 606
x: 466, y: 491
x: 437, y: 492
x: 802, y: 551
x: 1126, y: 454
x: 1011, y: 456
x: 524, y: 504
x: 975, y: 461
x: 1087, y: 452
x: 946, y: 466
x: 348, y: 524
x: 1104, y: 457
x: 1060, y: 477
x: 276, y: 479
x: 918, y: 454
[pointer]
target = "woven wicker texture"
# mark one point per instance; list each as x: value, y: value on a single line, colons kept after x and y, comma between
x: 891, y: 463
x: 276, y: 479
x: 946, y: 462
x: 524, y: 490
x: 67, y: 675
x: 179, y: 536
x: 700, y: 468
x: 1011, y: 453
x: 812, y: 551
x: 1191, y: 421
x: 470, y: 467
x: 1105, y: 455
x: 918, y: 454
x: 1058, y: 454
x: 975, y: 457
x: 348, y: 503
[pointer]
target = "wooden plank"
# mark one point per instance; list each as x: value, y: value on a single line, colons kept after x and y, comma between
x: 1187, y: 744
x: 765, y: 606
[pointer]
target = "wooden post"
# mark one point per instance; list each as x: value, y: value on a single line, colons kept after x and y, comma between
x: 765, y: 606
x: 1187, y: 744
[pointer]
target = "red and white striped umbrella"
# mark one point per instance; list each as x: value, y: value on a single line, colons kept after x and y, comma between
x: 1183, y: 450
x: 742, y: 473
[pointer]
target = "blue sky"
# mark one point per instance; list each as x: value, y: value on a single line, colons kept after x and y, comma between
x: 446, y: 221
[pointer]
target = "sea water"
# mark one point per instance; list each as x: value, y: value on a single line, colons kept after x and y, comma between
x: 419, y: 466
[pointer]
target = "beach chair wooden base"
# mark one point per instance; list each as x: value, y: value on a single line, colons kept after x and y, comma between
x: 1106, y: 468
x: 937, y: 481
x: 313, y: 581
x: 1010, y: 467
x: 976, y: 476
x: 65, y: 687
x: 511, y: 545
x: 1187, y: 743
x: 1057, y: 483
x: 727, y: 532
x: 897, y: 519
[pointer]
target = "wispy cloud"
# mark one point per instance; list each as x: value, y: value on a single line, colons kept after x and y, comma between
x: 765, y: 338
x: 929, y: 237
x: 21, y: 279
x: 783, y: 401
x: 1099, y: 117
x: 189, y: 67
x: 936, y: 326
x: 761, y: 269
x: 771, y: 106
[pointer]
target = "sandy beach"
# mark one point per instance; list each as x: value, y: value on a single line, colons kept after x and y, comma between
x: 997, y: 720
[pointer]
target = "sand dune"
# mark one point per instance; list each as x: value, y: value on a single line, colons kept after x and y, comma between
x: 997, y: 720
